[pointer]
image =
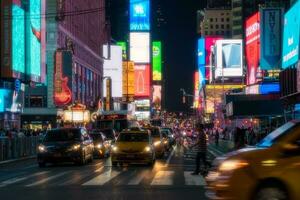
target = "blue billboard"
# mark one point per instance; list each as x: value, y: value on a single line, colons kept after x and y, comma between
x: 269, y: 88
x: 201, y: 61
x: 290, y: 52
x: 271, y: 35
x: 139, y: 19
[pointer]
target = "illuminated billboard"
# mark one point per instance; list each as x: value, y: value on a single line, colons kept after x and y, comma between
x: 201, y: 61
x: 139, y: 18
x: 252, y: 47
x: 196, y: 90
x: 156, y: 62
x: 157, y: 96
x: 113, y: 68
x: 140, y: 47
x: 11, y: 100
x: 229, y: 58
x: 124, y: 49
x: 290, y: 52
x: 33, y: 67
x: 209, y: 43
x: 128, y: 80
x: 142, y: 80
x: 271, y: 38
x: 62, y: 78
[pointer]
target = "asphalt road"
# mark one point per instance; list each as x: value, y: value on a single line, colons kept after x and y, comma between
x: 169, y: 178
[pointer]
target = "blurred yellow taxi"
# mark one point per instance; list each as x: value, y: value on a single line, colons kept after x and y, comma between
x: 158, y: 141
x: 133, y: 147
x: 268, y: 171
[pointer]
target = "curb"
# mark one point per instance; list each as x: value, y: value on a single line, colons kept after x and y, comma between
x: 16, y: 160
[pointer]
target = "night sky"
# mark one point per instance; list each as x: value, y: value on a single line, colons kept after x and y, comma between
x: 179, y: 38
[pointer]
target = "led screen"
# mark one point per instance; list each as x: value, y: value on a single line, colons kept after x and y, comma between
x: 113, y: 68
x: 34, y: 66
x: 229, y: 60
x: 271, y: 38
x: 156, y: 62
x: 157, y: 96
x: 209, y: 43
x: 18, y: 38
x: 140, y: 47
x: 124, y: 49
x: 139, y: 15
x: 196, y: 90
x: 201, y: 61
x: 11, y: 101
x: 142, y: 80
x: 252, y: 47
x: 290, y: 52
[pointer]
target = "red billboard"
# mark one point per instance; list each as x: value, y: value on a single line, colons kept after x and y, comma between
x: 252, y: 47
x: 142, y: 80
x: 209, y: 42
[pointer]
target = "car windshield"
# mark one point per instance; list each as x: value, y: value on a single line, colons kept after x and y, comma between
x: 63, y: 135
x: 133, y: 137
x: 274, y: 136
x: 96, y: 137
x: 108, y: 134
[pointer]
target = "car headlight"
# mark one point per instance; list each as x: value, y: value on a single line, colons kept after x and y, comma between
x: 115, y: 149
x: 42, y: 148
x: 99, y: 146
x: 75, y: 147
x: 157, y: 143
x: 230, y: 165
x: 147, y: 149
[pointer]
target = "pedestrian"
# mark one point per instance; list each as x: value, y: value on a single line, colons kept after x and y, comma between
x: 217, y: 136
x: 201, y: 145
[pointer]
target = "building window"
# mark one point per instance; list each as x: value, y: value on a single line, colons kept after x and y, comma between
x: 222, y: 26
x: 211, y: 19
x: 222, y: 32
x: 36, y: 101
x: 217, y: 32
x: 228, y: 26
x: 222, y: 19
x: 211, y: 26
x: 216, y: 19
x: 227, y: 19
x: 217, y: 26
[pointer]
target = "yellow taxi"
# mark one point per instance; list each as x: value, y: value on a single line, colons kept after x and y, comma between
x: 268, y: 171
x: 158, y: 140
x: 133, y: 147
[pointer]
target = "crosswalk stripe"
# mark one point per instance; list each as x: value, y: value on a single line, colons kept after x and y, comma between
x: 19, y: 179
x: 46, y: 179
x: 163, y: 178
x: 193, y: 180
x: 137, y: 179
x: 102, y: 178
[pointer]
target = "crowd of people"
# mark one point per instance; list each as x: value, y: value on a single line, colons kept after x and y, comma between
x: 14, y: 133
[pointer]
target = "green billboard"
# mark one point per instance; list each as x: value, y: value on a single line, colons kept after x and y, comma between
x: 124, y: 49
x: 156, y: 60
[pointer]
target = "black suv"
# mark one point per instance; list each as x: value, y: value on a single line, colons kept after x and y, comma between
x: 65, y: 145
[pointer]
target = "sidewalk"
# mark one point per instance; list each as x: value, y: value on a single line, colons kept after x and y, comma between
x: 224, y: 147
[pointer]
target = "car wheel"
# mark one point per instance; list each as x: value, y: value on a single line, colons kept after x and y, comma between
x: 271, y: 193
x: 42, y: 164
x: 82, y: 160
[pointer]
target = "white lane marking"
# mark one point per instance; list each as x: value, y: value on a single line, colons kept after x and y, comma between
x: 163, y: 178
x: 137, y: 179
x: 170, y: 156
x: 99, y: 169
x: 193, y: 180
x: 102, y: 178
x: 19, y: 179
x: 46, y: 179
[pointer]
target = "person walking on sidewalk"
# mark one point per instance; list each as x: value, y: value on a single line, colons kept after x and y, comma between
x: 201, y: 146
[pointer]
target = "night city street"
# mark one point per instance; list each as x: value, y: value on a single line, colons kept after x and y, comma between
x: 149, y: 99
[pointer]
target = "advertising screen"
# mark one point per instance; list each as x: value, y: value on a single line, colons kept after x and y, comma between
x: 201, y: 61
x: 142, y: 80
x: 229, y: 59
x: 139, y: 15
x: 113, y: 68
x: 271, y: 38
x: 196, y: 90
x: 290, y: 52
x: 128, y: 79
x: 18, y: 39
x: 156, y: 62
x: 33, y: 65
x: 157, y: 96
x: 124, y: 49
x: 140, y: 47
x: 252, y: 47
x: 11, y: 101
x: 209, y: 43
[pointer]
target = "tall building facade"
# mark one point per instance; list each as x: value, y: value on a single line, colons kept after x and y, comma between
x: 216, y: 22
x: 75, y: 34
